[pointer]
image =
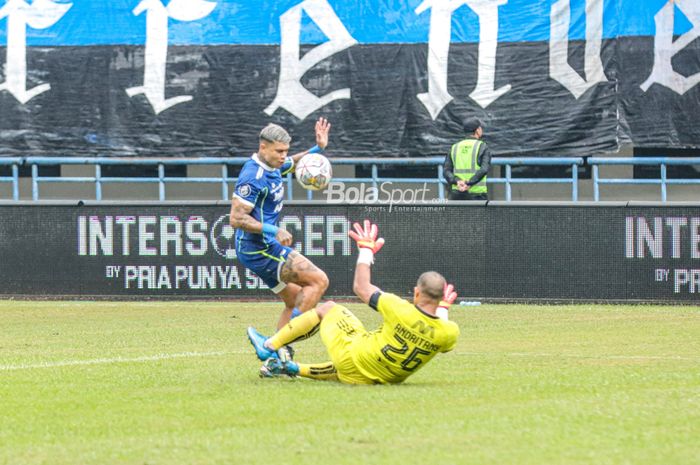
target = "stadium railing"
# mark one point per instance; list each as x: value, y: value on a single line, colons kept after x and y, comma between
x: 160, y: 179
x: 375, y: 180
x: 662, y: 162
x: 509, y: 180
x: 14, y: 164
x: 225, y: 177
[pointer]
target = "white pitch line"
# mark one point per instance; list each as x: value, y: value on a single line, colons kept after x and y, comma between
x: 604, y: 357
x: 153, y: 358
x: 104, y: 361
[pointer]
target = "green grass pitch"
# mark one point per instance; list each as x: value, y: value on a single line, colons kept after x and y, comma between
x: 176, y: 383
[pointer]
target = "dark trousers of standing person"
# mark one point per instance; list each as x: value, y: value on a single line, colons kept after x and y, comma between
x: 457, y: 195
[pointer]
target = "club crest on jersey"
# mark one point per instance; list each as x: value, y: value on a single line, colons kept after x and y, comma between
x: 244, y: 190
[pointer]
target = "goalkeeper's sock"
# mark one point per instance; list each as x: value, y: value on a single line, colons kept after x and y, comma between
x: 320, y: 371
x: 301, y: 327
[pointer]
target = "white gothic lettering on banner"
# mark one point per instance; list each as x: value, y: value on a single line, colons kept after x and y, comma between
x: 291, y: 94
x: 665, y: 47
x: 156, y: 53
x: 485, y: 92
x: 40, y: 14
x: 559, y: 68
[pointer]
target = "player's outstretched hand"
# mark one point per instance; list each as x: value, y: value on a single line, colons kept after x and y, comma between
x: 448, y: 296
x: 323, y: 128
x: 366, y: 237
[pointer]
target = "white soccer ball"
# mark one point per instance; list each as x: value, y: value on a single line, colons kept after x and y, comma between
x: 314, y: 171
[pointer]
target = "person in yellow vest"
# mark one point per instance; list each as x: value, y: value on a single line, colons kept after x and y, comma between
x: 467, y: 164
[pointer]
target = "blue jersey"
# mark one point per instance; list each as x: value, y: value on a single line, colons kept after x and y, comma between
x: 261, y: 187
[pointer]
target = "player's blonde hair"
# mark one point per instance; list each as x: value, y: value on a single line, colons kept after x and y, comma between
x: 431, y: 283
x: 275, y: 133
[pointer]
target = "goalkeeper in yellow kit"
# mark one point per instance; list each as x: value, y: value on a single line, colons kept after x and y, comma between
x: 410, y: 336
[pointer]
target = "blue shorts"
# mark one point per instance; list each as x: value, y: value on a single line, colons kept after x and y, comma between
x: 265, y: 262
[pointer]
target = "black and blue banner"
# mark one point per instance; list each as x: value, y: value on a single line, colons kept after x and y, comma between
x: 395, y: 78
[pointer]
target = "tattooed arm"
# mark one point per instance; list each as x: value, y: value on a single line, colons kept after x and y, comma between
x: 240, y: 219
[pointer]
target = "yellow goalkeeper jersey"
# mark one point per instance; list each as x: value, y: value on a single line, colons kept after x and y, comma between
x: 406, y: 341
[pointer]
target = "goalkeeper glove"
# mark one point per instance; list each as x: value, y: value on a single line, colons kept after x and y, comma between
x: 366, y: 238
x: 448, y: 297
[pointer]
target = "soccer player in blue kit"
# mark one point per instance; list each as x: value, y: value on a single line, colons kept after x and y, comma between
x: 261, y: 245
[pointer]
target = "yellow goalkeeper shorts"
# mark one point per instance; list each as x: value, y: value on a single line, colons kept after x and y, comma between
x: 339, y: 329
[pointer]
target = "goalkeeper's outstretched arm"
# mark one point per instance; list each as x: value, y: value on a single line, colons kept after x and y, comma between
x: 368, y: 244
x: 362, y: 286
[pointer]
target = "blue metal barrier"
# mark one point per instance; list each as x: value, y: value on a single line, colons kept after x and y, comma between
x: 663, y: 181
x: 161, y: 179
x: 574, y: 162
x: 375, y: 180
x: 14, y: 162
x: 225, y: 178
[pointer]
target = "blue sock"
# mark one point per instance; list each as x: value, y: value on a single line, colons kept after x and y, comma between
x: 295, y: 313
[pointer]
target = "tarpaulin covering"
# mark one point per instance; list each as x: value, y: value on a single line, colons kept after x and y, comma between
x: 395, y: 78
